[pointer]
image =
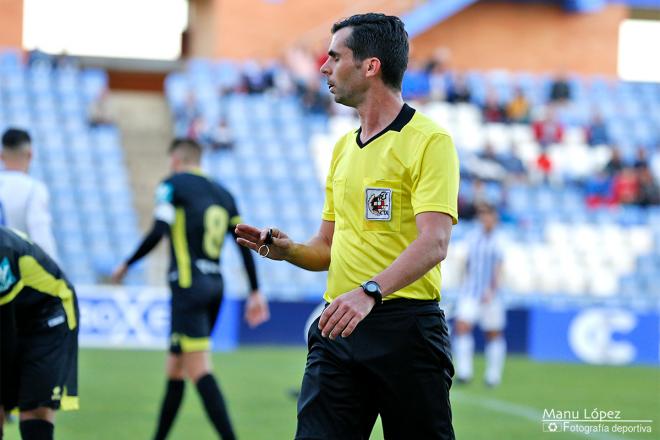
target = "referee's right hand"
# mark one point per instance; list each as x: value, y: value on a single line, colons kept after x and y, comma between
x: 254, y: 238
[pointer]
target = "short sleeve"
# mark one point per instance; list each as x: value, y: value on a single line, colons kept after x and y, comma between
x: 435, y: 178
x: 39, y: 220
x: 164, y: 209
x: 329, y: 203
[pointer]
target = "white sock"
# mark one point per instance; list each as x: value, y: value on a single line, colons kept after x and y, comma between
x: 495, y: 356
x: 464, y: 353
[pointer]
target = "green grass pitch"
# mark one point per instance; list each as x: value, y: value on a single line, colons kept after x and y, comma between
x: 121, y: 391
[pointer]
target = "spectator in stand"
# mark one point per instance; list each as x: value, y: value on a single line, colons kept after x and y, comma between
x: 492, y: 110
x: 598, y: 189
x: 220, y: 138
x: 625, y: 186
x: 548, y: 130
x: 544, y: 166
x: 641, y: 159
x: 459, y: 91
x: 315, y: 101
x: 648, y: 192
x: 38, y: 59
x: 468, y: 203
x: 489, y: 155
x: 303, y: 67
x: 100, y: 113
x: 436, y: 70
x: 184, y: 116
x: 597, y: 131
x: 560, y: 90
x: 255, y: 79
x: 197, y: 129
x: 283, y: 81
x: 615, y: 164
x: 513, y: 165
x: 654, y: 164
x: 64, y: 62
x: 518, y: 109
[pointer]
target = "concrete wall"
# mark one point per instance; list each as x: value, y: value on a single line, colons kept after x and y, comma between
x: 257, y: 28
x: 11, y: 23
x: 486, y: 35
x: 532, y: 37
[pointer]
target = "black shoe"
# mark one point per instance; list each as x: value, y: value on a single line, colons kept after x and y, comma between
x: 463, y: 381
x: 293, y: 393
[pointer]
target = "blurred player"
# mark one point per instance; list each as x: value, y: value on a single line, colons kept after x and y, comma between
x: 38, y: 337
x: 381, y: 346
x: 197, y: 214
x: 23, y: 199
x: 479, y: 302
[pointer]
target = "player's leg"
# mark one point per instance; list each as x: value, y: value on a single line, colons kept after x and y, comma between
x: 408, y: 354
x: 466, y: 315
x: 37, y: 423
x: 48, y: 375
x: 493, y: 320
x: 195, y: 344
x: 173, y: 394
x: 197, y: 367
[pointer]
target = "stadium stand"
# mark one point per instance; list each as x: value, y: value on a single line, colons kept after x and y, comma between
x: 95, y: 223
x: 562, y: 240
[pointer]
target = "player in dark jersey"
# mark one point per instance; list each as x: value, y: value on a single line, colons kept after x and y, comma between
x: 38, y: 337
x: 196, y: 213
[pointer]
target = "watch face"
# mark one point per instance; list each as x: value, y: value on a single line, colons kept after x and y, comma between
x: 371, y: 287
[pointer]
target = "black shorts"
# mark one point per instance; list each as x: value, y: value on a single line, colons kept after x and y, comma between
x: 194, y: 313
x: 397, y: 363
x: 42, y: 369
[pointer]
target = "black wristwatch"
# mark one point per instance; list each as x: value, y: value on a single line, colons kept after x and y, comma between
x: 372, y: 289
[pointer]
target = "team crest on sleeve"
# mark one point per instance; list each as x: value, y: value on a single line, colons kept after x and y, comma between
x: 164, y: 193
x: 7, y: 278
x: 379, y: 204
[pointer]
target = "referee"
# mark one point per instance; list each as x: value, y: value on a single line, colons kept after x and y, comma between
x: 381, y: 345
x: 38, y: 337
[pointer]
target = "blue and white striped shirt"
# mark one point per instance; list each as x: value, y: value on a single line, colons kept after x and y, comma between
x: 484, y: 255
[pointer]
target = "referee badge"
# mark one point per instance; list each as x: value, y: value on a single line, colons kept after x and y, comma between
x: 379, y: 204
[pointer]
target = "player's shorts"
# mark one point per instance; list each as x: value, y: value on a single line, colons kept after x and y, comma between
x: 490, y: 316
x: 43, y: 368
x: 194, y: 313
x: 396, y: 364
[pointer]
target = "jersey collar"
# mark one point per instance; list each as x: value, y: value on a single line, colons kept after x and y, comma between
x: 404, y: 116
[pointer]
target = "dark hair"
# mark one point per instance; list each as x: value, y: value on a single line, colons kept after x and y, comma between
x: 486, y: 208
x: 380, y: 36
x: 191, y: 148
x: 14, y: 138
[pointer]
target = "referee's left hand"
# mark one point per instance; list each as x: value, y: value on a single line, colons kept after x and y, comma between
x: 345, y: 313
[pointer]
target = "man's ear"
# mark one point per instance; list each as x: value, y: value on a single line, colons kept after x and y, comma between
x: 373, y: 67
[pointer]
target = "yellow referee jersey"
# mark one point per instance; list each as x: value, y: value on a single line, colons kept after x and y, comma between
x: 373, y: 193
